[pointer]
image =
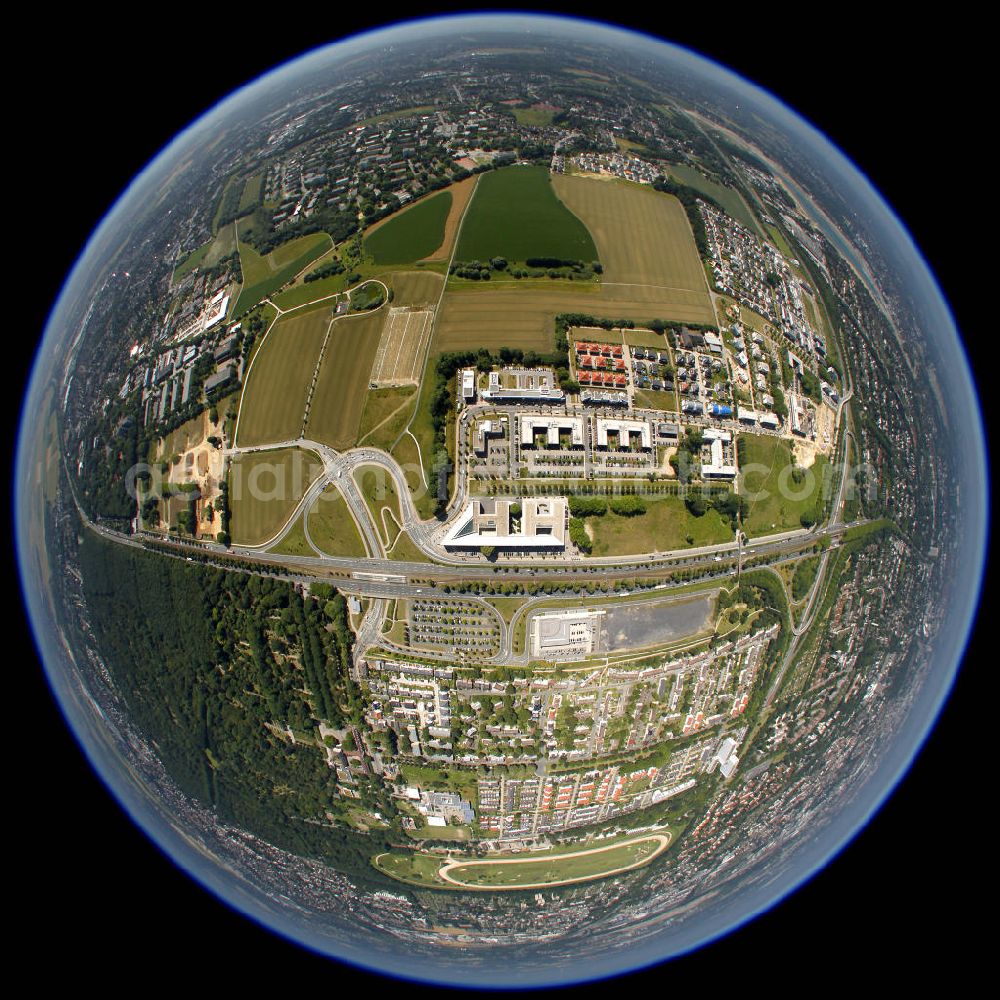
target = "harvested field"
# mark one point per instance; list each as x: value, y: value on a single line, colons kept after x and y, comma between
x: 400, y: 356
x: 643, y: 237
x: 523, y: 317
x: 415, y: 288
x: 460, y: 195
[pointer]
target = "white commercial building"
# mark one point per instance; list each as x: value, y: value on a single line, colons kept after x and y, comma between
x: 553, y: 427
x: 623, y: 429
x: 718, y: 467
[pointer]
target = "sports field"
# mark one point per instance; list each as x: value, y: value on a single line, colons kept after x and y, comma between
x: 274, y: 397
x: 263, y: 275
x: 411, y: 234
x: 643, y: 237
x: 342, y: 385
x: 530, y: 871
x: 264, y: 489
x: 400, y: 356
x: 515, y: 214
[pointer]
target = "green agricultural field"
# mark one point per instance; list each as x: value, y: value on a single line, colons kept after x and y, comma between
x: 264, y: 489
x: 776, y: 501
x: 411, y: 234
x: 332, y: 528
x: 729, y: 198
x: 342, y: 386
x: 274, y: 397
x: 264, y: 275
x: 665, y: 525
x: 515, y: 214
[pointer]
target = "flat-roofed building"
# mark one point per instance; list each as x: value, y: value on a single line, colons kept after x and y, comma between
x: 769, y: 420
x: 469, y: 385
x: 523, y: 385
x: 623, y: 430
x: 745, y: 415
x: 486, y: 429
x: 720, y: 446
x: 603, y: 397
x: 554, y: 427
x: 488, y: 521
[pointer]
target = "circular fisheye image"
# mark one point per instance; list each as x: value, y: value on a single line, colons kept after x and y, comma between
x: 500, y: 501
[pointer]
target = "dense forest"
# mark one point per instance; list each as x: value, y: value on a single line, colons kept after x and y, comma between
x: 215, y: 669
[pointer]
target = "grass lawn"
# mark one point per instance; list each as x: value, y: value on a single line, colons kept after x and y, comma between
x: 515, y: 214
x: 332, y: 528
x: 300, y: 295
x: 405, y: 453
x: 251, y: 192
x: 422, y: 427
x: 264, y: 275
x: 414, y: 866
x: 379, y: 494
x: 264, y: 488
x: 729, y: 198
x: 647, y: 338
x: 208, y: 254
x: 294, y: 543
x: 776, y: 501
x: 342, y: 385
x: 277, y: 385
x: 665, y: 525
x: 651, y: 399
x: 411, y: 234
x: 385, y: 414
x: 404, y: 550
x: 539, y: 117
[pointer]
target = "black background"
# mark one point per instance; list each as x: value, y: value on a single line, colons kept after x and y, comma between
x: 904, y: 100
